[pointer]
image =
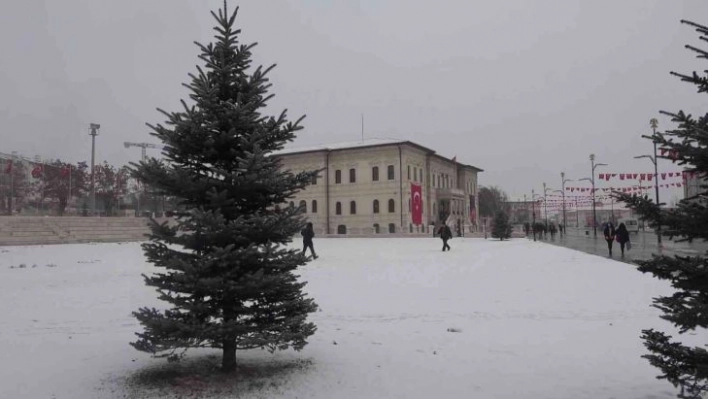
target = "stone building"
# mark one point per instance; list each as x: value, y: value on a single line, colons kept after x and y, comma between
x: 383, y: 186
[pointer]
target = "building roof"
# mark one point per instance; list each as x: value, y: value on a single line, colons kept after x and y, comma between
x: 372, y: 142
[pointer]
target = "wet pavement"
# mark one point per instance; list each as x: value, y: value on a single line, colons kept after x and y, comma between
x: 644, y: 245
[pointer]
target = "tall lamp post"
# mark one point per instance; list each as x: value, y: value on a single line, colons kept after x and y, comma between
x: 594, y: 212
x: 533, y: 210
x: 654, y: 124
x: 563, y: 181
x: 561, y: 229
x: 94, y: 132
x: 545, y: 203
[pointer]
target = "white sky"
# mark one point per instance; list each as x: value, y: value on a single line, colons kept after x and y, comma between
x: 523, y: 89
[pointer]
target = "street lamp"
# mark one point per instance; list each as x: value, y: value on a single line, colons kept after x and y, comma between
x: 94, y: 132
x: 594, y: 213
x: 654, y: 124
x: 563, y: 181
x: 561, y: 227
x: 545, y: 203
x: 533, y: 209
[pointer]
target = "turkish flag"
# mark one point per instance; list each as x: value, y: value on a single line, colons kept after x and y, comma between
x: 416, y: 204
x: 37, y: 172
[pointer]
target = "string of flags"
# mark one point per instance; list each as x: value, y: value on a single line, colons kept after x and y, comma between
x: 647, y: 176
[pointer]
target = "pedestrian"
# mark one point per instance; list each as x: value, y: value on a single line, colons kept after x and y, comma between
x: 609, y: 233
x: 623, y: 237
x: 308, y: 233
x: 445, y: 235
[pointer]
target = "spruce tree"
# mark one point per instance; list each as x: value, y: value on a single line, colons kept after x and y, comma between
x: 684, y: 366
x: 501, y: 228
x: 228, y: 279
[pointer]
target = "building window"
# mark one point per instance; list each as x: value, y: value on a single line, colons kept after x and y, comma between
x: 376, y: 206
x: 390, y: 173
x: 409, y: 172
x: 391, y: 206
x: 415, y: 174
x: 314, y: 206
x: 375, y: 173
x: 352, y: 208
x: 303, y: 206
x: 314, y: 178
x: 341, y: 229
x: 377, y: 229
x: 352, y: 175
x: 337, y: 176
x: 391, y: 228
x: 338, y: 208
x: 420, y: 179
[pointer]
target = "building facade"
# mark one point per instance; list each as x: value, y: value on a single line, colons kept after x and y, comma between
x: 381, y: 186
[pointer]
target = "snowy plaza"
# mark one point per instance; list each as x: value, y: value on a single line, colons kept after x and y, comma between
x: 398, y: 319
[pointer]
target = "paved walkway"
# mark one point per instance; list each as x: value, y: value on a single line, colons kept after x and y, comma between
x: 644, y: 245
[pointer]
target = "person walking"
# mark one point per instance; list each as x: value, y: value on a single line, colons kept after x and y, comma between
x: 445, y: 235
x: 623, y: 237
x: 609, y: 233
x: 308, y: 233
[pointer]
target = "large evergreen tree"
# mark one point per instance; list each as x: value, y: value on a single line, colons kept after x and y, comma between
x: 684, y: 366
x: 228, y: 279
x: 501, y: 228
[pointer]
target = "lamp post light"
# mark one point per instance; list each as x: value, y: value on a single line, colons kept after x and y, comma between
x: 594, y: 213
x: 654, y: 124
x: 94, y: 132
x: 563, y: 181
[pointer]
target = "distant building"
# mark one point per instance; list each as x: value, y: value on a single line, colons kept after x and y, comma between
x: 371, y: 186
x: 692, y: 185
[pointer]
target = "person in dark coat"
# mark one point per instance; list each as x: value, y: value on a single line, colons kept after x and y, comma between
x: 445, y: 234
x: 622, y: 236
x: 308, y: 233
x: 609, y: 233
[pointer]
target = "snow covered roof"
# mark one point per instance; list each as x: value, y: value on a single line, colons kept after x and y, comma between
x: 372, y: 142
x: 340, y: 146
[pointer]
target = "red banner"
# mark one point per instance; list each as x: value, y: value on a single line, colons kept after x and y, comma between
x: 37, y: 172
x: 416, y: 204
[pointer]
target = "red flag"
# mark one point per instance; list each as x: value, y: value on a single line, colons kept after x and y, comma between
x: 37, y: 172
x: 642, y: 176
x: 663, y: 176
x: 602, y: 176
x: 416, y: 204
x: 634, y: 175
x: 621, y: 176
x: 8, y: 169
x: 65, y: 171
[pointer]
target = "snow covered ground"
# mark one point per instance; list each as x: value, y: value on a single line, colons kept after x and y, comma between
x: 399, y: 319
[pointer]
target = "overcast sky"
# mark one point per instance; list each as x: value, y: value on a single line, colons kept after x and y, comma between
x: 523, y: 89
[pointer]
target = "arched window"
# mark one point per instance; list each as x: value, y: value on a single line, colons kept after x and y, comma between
x: 391, y: 206
x: 352, y: 175
x: 391, y: 174
x: 303, y: 205
x: 376, y: 206
x: 375, y: 173
x: 376, y: 228
x: 314, y: 206
x: 341, y: 229
x: 352, y: 208
x: 391, y: 228
x: 337, y: 176
x: 409, y: 172
x: 338, y: 208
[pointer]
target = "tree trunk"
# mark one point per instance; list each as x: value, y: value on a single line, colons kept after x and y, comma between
x: 228, y: 360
